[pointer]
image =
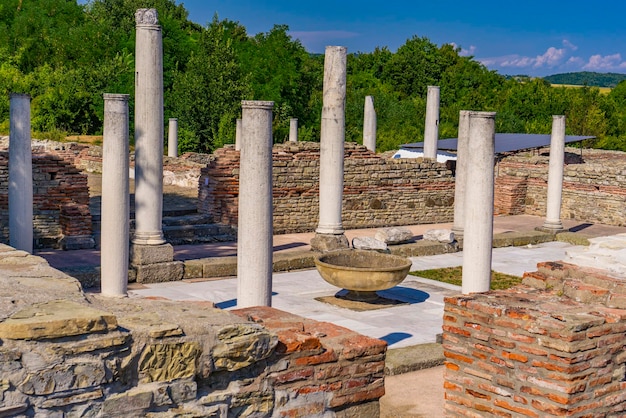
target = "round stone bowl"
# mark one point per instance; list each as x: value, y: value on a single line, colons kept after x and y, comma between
x: 362, y: 272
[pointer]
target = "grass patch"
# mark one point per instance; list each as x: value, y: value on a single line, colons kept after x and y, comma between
x: 453, y: 275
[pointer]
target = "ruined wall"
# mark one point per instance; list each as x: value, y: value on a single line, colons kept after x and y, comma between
x: 378, y: 191
x: 61, y: 215
x: 594, y: 186
x: 66, y: 353
x: 553, y: 347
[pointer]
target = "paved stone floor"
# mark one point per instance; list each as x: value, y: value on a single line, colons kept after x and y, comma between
x: 416, y: 322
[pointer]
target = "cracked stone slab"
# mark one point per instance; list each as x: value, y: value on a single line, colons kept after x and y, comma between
x: 55, y: 319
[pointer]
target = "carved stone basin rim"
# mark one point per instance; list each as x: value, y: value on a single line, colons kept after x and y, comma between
x: 362, y: 272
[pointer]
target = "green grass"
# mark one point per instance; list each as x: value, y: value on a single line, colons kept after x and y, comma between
x: 453, y: 275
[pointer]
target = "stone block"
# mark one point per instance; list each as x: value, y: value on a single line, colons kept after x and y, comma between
x: 56, y: 319
x: 369, y: 243
x: 394, y: 235
x: 151, y: 254
x: 329, y: 242
x: 440, y: 235
x: 78, y: 242
x: 192, y: 269
x: 159, y: 272
x: 165, y: 362
x: 135, y: 401
x: 241, y: 345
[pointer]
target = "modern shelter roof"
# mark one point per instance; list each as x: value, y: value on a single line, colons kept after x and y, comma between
x: 504, y: 142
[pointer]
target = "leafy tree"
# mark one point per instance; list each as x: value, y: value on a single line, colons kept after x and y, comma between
x: 208, y: 94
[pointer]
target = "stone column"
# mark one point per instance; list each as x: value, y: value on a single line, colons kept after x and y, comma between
x: 172, y: 138
x: 431, y: 129
x: 255, y: 229
x: 369, y: 124
x: 238, y: 135
x: 460, y: 177
x: 20, y: 174
x: 148, y: 129
x: 293, y: 130
x: 478, y: 229
x: 555, y: 175
x: 115, y: 211
x: 151, y: 256
x: 329, y: 233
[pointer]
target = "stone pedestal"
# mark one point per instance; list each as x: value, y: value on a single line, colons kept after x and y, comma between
x: 555, y: 176
x: 332, y: 138
x: 369, y: 124
x: 172, y: 138
x: 478, y: 228
x: 148, y: 130
x: 431, y: 128
x: 255, y: 229
x: 154, y: 263
x: 115, y: 211
x: 460, y: 176
x: 293, y: 130
x: 20, y: 174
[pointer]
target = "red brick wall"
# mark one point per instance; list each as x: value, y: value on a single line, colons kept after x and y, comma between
x: 594, y: 186
x: 553, y: 347
x: 60, y: 201
x: 378, y: 191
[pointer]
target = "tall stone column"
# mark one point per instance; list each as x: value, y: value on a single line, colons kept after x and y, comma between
x: 431, y: 128
x: 478, y: 229
x: 555, y: 175
x: 151, y: 256
x: 255, y: 225
x: 238, y: 130
x: 115, y: 211
x: 172, y: 138
x: 148, y: 129
x: 20, y: 174
x: 462, y: 154
x: 329, y: 233
x: 369, y: 124
x: 293, y: 130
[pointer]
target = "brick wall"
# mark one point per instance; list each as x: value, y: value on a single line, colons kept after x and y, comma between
x: 552, y: 347
x: 61, y: 214
x: 378, y: 191
x: 594, y: 186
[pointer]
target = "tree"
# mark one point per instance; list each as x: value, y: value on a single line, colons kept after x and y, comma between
x: 206, y: 97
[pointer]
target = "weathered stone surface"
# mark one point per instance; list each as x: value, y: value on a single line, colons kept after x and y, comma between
x: 165, y: 330
x: 329, y: 242
x: 394, y: 235
x: 93, y: 342
x: 56, y: 319
x: 151, y: 254
x: 440, y: 235
x: 72, y: 399
x: 159, y: 272
x: 165, y: 362
x: 129, y: 402
x: 241, y: 345
x: 63, y: 378
x: 369, y: 243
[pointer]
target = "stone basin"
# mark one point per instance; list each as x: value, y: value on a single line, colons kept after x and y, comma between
x: 361, y: 272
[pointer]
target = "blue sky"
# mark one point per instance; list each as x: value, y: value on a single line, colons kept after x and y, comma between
x: 530, y: 37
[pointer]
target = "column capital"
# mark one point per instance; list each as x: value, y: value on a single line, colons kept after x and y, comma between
x: 146, y: 17
x: 257, y: 104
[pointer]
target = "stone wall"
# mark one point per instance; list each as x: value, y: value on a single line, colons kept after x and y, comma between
x: 61, y: 215
x: 378, y: 191
x: 67, y: 353
x: 555, y: 346
x: 594, y: 186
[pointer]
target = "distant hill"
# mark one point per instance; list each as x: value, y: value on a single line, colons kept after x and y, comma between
x: 587, y: 78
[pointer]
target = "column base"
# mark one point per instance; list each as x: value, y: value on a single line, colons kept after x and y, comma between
x: 141, y: 254
x: 551, y: 227
x: 148, y: 238
x: 155, y: 263
x: 329, y: 242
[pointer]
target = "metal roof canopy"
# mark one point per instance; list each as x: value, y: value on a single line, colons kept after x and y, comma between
x: 504, y: 142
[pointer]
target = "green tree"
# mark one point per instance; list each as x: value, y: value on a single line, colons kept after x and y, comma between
x: 207, y: 96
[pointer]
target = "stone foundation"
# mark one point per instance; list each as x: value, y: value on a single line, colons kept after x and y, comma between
x: 67, y: 353
x: 554, y: 346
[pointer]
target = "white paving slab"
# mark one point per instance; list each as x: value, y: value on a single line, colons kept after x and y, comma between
x: 419, y: 321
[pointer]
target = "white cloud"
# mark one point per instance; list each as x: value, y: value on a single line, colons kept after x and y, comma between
x: 464, y: 52
x: 604, y: 63
x: 550, y: 58
x: 567, y: 44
